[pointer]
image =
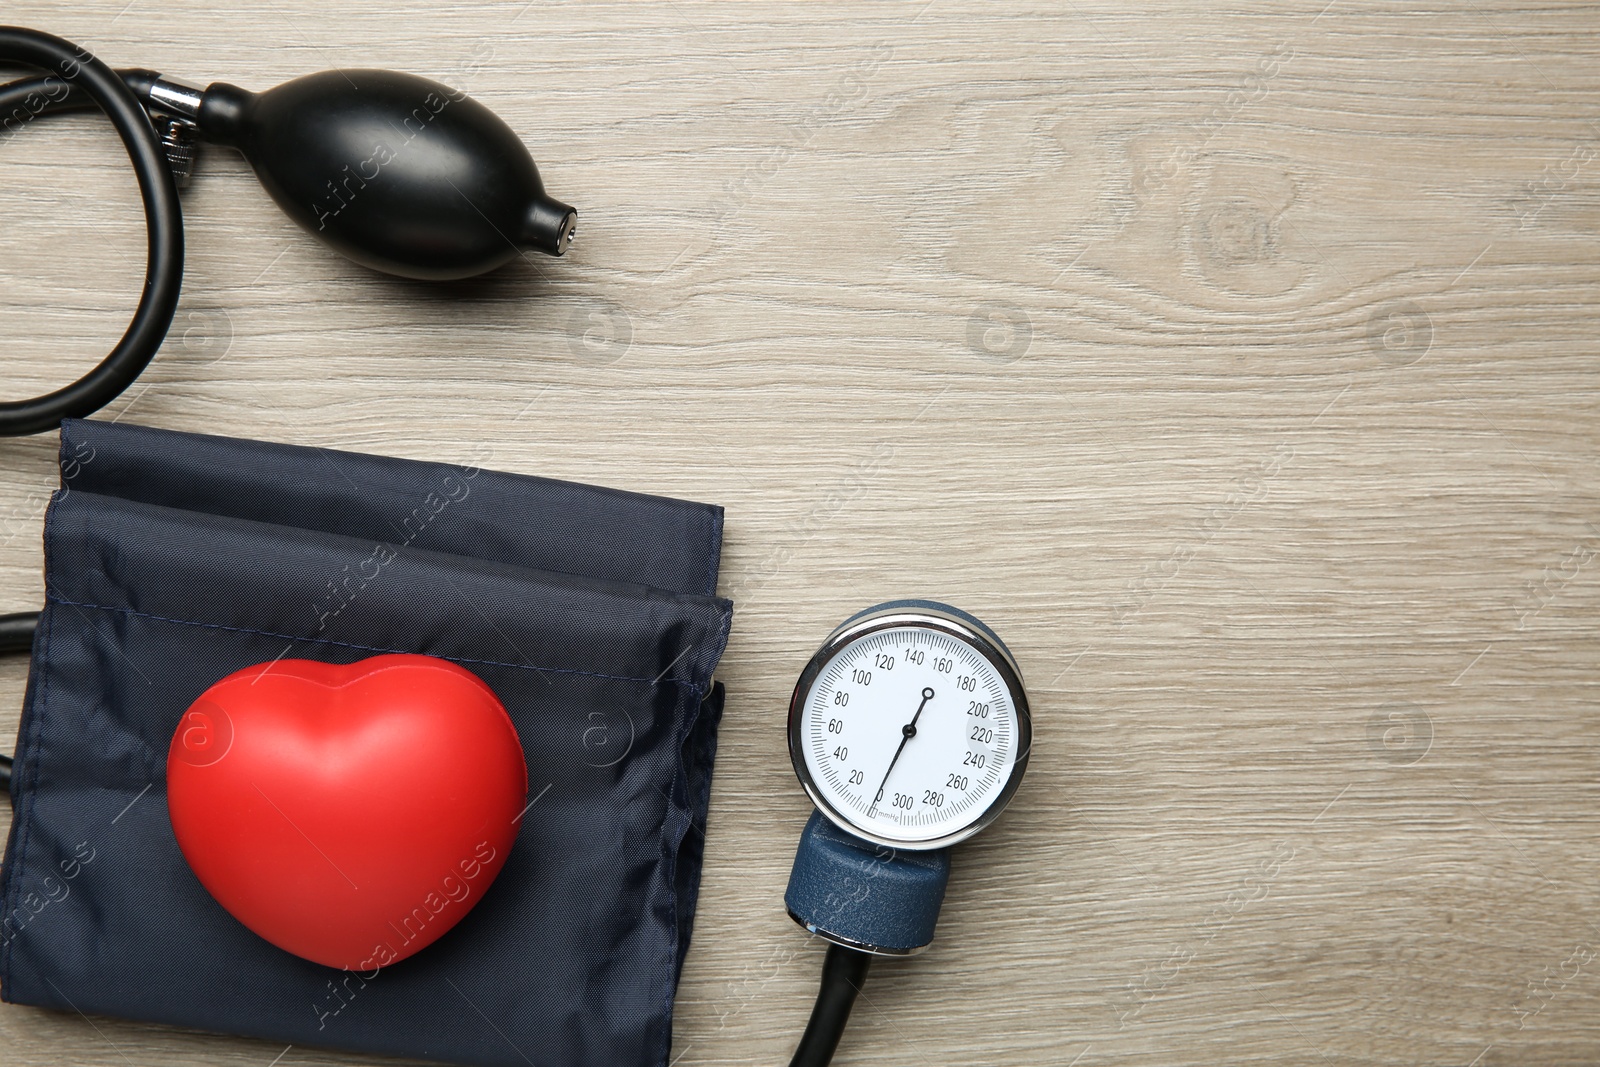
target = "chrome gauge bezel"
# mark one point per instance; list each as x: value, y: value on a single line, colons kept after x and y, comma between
x: 923, y: 618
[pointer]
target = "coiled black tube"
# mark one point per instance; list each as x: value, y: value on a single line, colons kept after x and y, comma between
x: 84, y: 75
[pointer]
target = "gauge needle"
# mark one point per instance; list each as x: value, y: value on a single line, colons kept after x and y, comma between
x: 907, y: 732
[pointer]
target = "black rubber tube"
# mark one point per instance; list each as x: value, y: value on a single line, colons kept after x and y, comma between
x: 69, y: 64
x: 16, y: 632
x: 26, y: 99
x: 16, y: 635
x: 844, y: 972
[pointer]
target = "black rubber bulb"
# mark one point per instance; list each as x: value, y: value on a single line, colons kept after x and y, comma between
x: 399, y: 173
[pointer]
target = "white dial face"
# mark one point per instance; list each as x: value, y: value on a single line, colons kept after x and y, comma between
x: 910, y: 733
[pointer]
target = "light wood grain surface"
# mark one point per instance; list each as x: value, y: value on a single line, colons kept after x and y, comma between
x: 1238, y: 364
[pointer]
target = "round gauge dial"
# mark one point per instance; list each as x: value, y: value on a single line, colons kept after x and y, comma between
x: 910, y: 727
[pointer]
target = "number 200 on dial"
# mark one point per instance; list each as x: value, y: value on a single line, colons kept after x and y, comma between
x: 911, y: 728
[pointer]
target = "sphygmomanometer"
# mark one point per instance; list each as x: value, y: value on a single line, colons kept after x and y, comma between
x: 314, y: 741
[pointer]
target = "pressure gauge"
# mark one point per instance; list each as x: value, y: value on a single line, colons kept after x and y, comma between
x: 909, y: 727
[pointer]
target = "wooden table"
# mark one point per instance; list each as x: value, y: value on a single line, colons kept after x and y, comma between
x: 1237, y: 364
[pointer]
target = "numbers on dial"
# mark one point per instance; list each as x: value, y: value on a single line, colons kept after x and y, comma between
x: 932, y: 733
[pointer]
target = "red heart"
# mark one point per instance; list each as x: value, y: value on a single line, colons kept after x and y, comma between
x: 348, y: 814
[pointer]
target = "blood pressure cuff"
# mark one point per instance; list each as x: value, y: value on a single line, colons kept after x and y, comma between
x: 173, y: 559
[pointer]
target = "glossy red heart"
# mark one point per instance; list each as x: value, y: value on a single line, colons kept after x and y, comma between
x: 348, y: 814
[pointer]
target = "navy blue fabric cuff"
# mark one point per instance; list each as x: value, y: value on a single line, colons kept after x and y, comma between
x: 175, y: 559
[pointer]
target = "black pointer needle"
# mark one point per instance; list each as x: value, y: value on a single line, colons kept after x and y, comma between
x: 907, y: 732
